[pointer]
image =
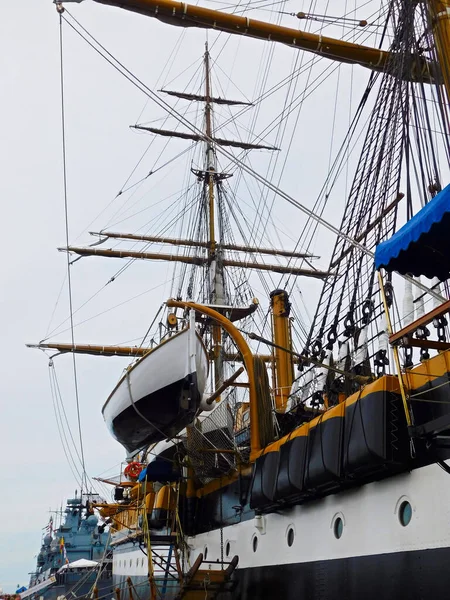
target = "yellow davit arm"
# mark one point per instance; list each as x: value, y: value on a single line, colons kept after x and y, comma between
x: 188, y: 15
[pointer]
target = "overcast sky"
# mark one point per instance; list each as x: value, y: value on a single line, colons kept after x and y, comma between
x: 101, y: 153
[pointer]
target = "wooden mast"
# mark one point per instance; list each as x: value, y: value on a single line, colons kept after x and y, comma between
x: 214, y: 258
x: 210, y: 156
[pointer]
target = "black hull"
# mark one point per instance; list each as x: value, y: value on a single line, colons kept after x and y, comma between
x: 413, y: 575
x: 159, y: 415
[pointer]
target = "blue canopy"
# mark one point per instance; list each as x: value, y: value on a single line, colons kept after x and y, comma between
x: 422, y: 245
x: 161, y: 469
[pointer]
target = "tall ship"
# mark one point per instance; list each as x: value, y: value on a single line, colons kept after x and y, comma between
x: 74, y: 557
x: 286, y: 424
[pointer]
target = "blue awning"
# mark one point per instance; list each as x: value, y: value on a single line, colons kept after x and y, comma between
x: 160, y: 469
x: 422, y: 245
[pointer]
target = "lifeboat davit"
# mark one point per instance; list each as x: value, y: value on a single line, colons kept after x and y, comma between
x: 161, y: 393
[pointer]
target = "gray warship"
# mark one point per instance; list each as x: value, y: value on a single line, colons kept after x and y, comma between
x: 74, y: 559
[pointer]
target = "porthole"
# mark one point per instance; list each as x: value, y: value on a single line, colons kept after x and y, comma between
x: 227, y: 549
x: 205, y: 553
x: 290, y: 537
x: 405, y: 513
x: 255, y: 543
x: 338, y: 528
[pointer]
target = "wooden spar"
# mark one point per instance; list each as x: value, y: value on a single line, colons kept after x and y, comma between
x: 105, y: 350
x: 194, y: 260
x: 203, y: 138
x: 182, y: 242
x: 109, y: 482
x: 150, y: 238
x: 272, y: 252
x: 428, y: 344
x: 199, y: 98
x: 422, y: 321
x: 226, y: 384
x: 188, y: 15
x: 93, y: 349
x: 277, y: 269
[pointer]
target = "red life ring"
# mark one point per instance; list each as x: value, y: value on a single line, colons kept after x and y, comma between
x: 132, y: 470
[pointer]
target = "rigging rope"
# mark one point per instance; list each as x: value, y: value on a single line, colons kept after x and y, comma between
x: 103, y: 312
x: 63, y: 425
x: 69, y: 279
x: 65, y: 446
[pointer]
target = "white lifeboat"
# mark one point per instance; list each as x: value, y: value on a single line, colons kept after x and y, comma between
x: 161, y: 393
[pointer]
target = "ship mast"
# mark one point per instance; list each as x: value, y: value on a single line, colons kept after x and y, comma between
x: 210, y: 158
x: 214, y: 258
x: 221, y: 253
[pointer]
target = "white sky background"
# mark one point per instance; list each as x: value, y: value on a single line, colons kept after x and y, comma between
x: 101, y: 151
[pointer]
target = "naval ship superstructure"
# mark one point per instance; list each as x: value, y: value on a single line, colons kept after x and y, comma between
x: 74, y: 556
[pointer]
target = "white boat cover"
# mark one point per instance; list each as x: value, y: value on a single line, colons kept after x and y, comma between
x: 82, y: 563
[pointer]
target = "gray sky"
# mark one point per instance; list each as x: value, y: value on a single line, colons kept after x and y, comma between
x: 101, y: 153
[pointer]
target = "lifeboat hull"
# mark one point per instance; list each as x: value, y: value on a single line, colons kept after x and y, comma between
x: 160, y: 394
